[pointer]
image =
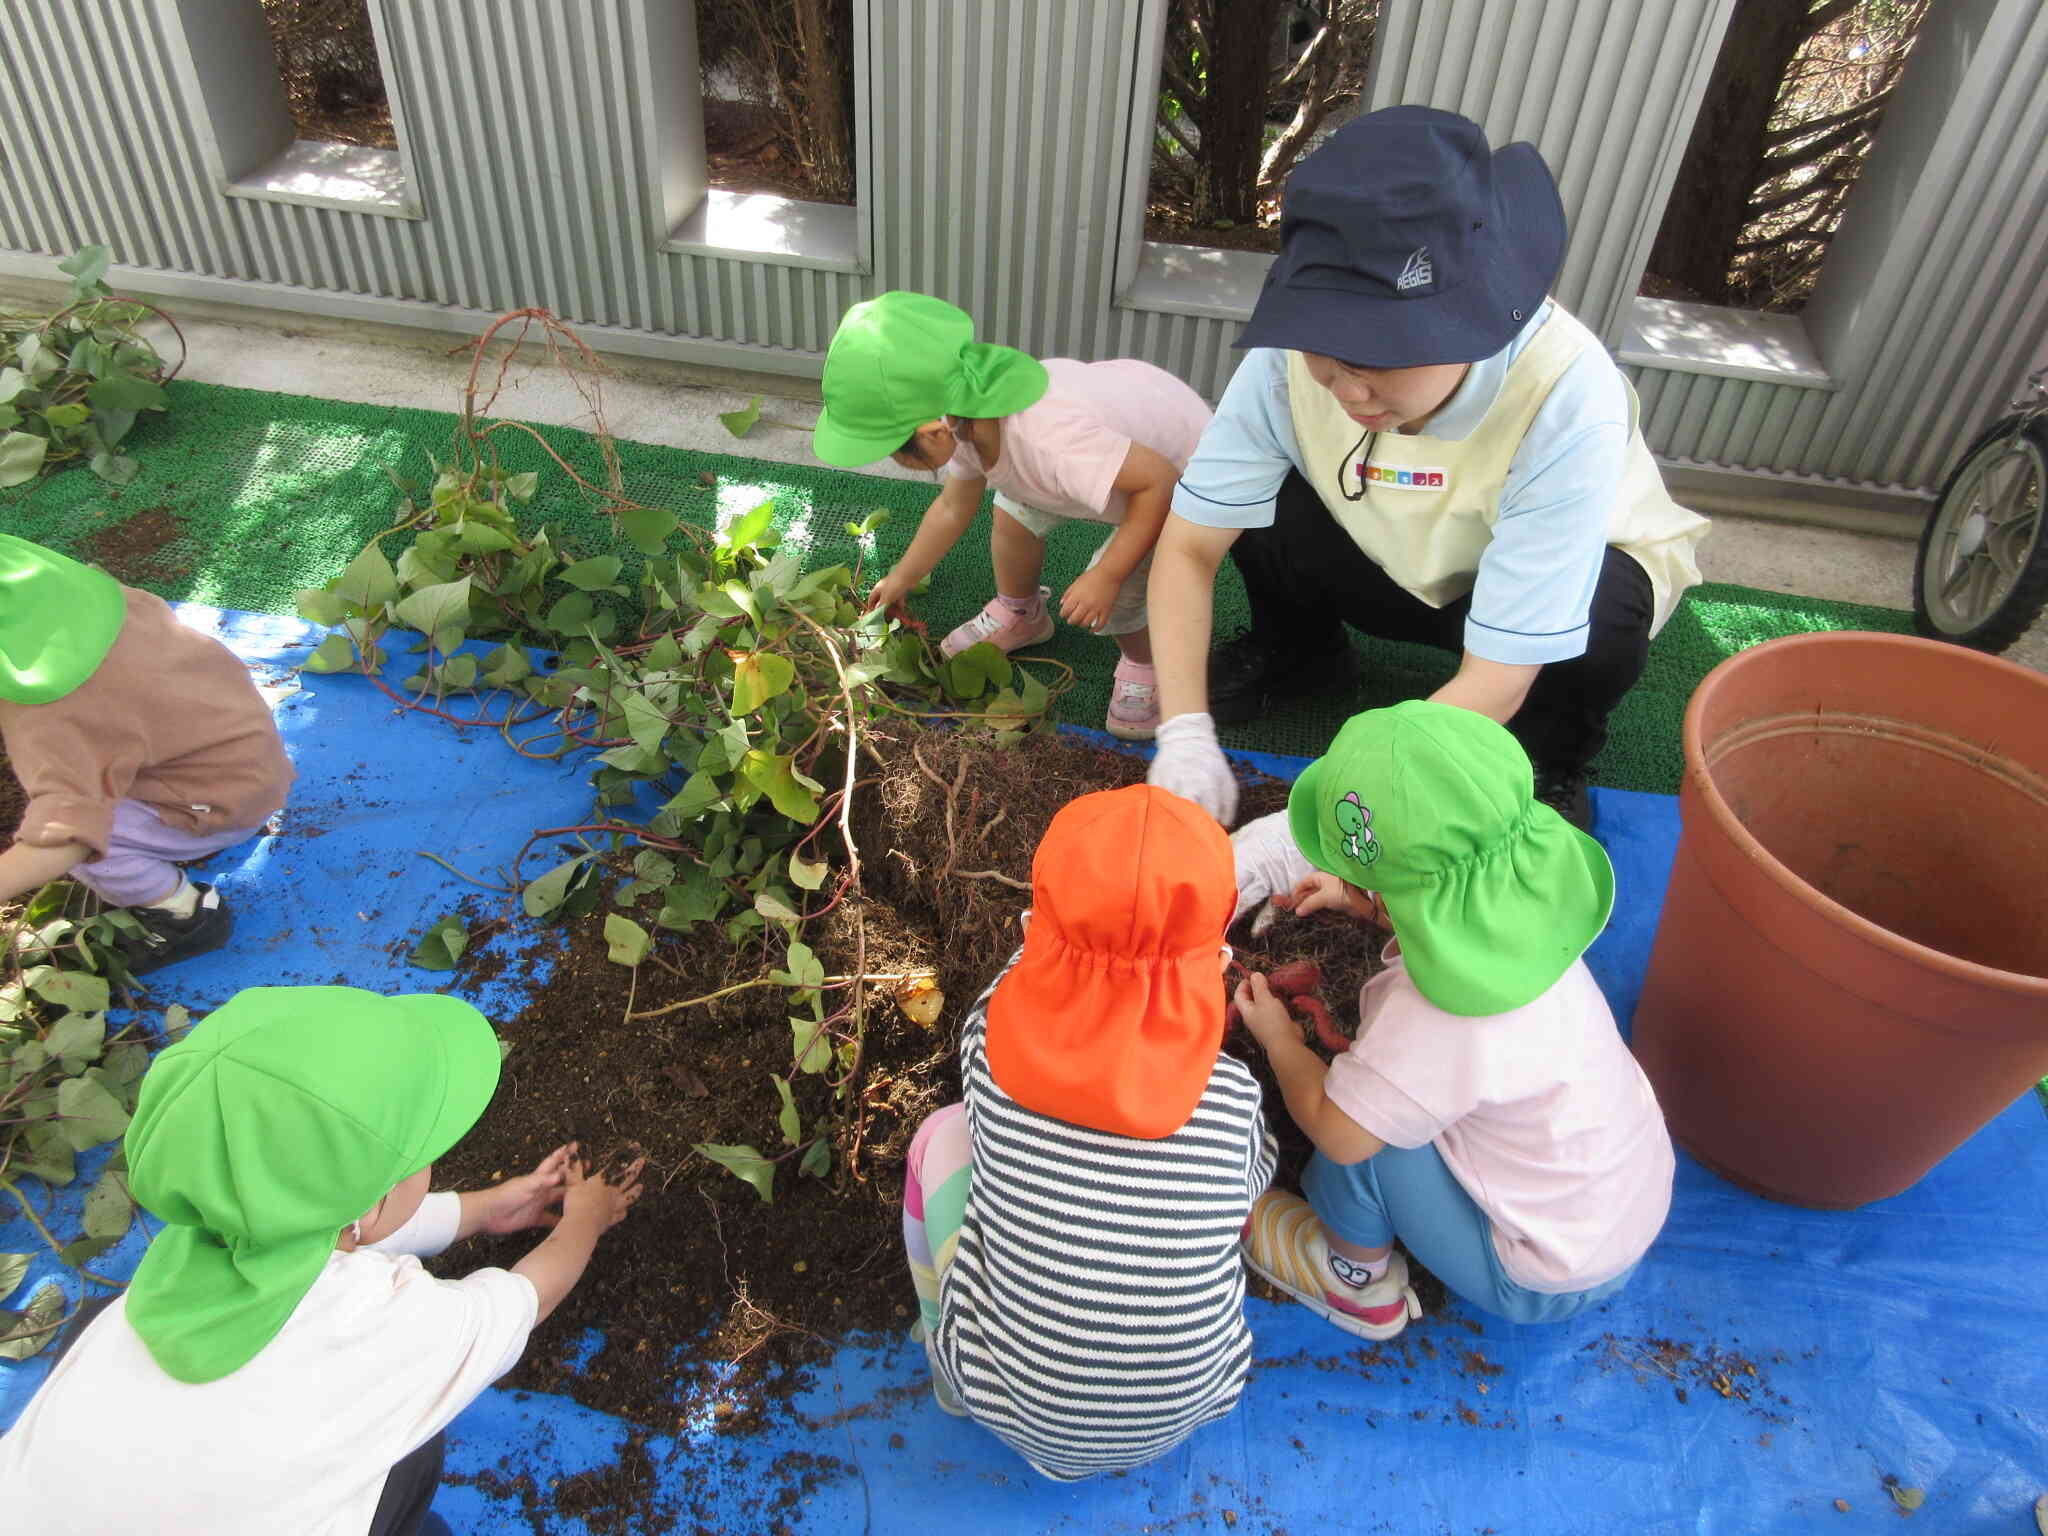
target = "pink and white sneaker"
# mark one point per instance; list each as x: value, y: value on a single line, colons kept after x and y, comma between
x: 1133, y: 702
x: 1003, y: 626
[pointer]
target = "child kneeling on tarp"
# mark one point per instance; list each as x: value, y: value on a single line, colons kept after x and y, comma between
x: 281, y: 1361
x: 1073, y: 1226
x: 1488, y: 1113
x: 141, y: 745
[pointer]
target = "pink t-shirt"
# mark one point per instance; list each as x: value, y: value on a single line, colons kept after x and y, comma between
x: 1062, y: 455
x: 1541, y: 1114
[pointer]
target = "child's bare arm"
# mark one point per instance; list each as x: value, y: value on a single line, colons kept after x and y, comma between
x: 1147, y: 480
x: 592, y: 1204
x: 1300, y: 1072
x: 949, y: 515
x: 24, y: 867
x: 521, y: 1202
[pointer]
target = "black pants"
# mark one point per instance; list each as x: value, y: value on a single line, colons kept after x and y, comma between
x: 409, y: 1494
x: 1306, y: 578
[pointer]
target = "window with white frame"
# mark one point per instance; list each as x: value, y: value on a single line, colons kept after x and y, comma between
x: 761, y: 150
x: 1778, y: 176
x: 1230, y: 95
x: 294, y: 93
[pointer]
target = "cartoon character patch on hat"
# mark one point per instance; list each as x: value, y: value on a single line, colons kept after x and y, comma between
x: 1354, y: 820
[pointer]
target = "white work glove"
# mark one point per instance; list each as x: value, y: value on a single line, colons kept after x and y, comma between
x: 1269, y: 864
x: 1191, y: 764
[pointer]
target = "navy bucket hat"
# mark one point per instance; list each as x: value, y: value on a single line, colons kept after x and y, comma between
x: 1405, y: 240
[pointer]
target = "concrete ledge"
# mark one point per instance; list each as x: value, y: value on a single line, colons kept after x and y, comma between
x: 353, y: 178
x: 1725, y: 343
x: 1894, y: 512
x: 772, y: 370
x: 783, y: 231
x: 1196, y: 280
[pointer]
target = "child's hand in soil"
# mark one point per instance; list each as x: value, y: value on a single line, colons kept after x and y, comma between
x: 1265, y: 1015
x: 605, y: 1196
x: 524, y: 1202
x: 1088, y: 601
x: 1322, y: 891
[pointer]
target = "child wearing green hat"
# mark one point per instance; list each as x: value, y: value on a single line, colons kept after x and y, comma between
x: 141, y: 745
x: 281, y: 1361
x: 1057, y: 441
x: 1488, y: 1114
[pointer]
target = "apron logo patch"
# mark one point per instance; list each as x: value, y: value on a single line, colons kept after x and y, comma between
x: 1424, y: 479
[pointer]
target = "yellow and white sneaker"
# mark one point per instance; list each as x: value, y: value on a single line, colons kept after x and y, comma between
x: 1283, y: 1242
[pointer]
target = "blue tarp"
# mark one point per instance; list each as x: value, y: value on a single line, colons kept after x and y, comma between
x: 1766, y: 1363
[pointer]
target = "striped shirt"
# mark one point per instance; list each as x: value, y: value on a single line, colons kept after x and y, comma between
x: 1093, y: 1314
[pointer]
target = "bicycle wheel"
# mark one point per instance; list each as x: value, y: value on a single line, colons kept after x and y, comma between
x: 1981, y: 578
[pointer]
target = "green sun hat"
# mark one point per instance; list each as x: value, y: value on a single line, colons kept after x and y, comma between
x: 1492, y: 893
x: 282, y: 1117
x: 902, y: 359
x: 989, y: 380
x: 58, y: 620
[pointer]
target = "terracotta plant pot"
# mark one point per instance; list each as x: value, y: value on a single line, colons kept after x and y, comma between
x: 1850, y: 976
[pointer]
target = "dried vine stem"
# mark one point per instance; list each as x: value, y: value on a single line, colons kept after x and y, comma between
x: 860, y: 929
x: 585, y: 371
x: 952, y: 794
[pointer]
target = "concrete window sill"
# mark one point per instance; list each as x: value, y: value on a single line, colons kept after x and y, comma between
x: 759, y: 226
x: 1726, y: 343
x: 353, y: 177
x: 1196, y: 280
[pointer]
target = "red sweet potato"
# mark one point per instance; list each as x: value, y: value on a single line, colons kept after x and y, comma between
x: 1319, y: 1016
x: 1295, y: 978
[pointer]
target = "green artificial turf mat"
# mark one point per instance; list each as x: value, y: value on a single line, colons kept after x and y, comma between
x: 245, y: 497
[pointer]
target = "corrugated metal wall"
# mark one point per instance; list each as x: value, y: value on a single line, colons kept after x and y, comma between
x: 996, y: 139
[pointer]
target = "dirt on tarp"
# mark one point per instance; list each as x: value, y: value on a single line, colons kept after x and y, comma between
x: 703, y: 1276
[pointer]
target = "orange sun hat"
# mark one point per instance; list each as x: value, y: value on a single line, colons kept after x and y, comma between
x: 1113, y: 1017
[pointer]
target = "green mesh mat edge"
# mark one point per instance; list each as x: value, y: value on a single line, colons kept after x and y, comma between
x: 250, y: 496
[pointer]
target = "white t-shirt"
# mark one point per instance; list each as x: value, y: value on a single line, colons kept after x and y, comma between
x: 1062, y: 455
x: 375, y: 1361
x: 1541, y: 1114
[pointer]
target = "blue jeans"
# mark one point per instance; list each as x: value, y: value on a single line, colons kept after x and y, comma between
x: 1410, y: 1194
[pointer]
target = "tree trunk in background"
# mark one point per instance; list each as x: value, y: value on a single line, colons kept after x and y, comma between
x: 1725, y: 159
x: 824, y: 139
x: 1234, y: 110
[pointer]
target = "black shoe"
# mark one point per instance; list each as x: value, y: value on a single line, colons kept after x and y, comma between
x: 1564, y: 791
x: 1248, y: 676
x: 161, y: 938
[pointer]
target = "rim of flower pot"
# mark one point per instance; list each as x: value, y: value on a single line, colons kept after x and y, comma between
x: 1700, y: 776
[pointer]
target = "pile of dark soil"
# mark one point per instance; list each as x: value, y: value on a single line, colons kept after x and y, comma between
x: 12, y: 800
x: 703, y: 1275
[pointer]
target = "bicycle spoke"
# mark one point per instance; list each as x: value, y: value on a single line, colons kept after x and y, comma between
x: 2012, y: 542
x: 1992, y: 586
x: 1953, y: 579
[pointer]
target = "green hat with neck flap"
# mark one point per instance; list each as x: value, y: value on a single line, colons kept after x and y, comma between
x: 285, y: 1115
x: 1492, y: 894
x: 902, y: 359
x: 58, y: 620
